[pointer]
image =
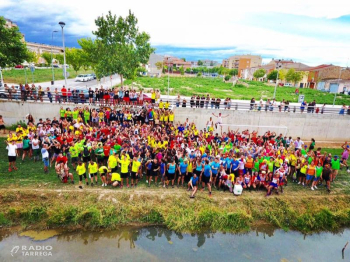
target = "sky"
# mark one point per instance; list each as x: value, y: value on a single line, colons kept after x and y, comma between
x: 308, y: 31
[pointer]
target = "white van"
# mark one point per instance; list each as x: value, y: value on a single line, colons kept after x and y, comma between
x: 82, y: 78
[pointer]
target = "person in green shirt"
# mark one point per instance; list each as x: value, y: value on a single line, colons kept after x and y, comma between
x: 100, y: 154
x: 256, y: 165
x: 270, y: 164
x: 87, y: 116
x: 62, y: 113
x: 319, y: 170
x: 335, y: 167
x: 25, y: 147
x: 75, y: 114
x: 74, y: 153
x: 69, y: 114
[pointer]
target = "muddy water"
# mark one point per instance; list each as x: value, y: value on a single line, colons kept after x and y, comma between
x: 160, y: 244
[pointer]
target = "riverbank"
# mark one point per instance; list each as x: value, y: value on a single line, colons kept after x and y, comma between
x: 94, y: 209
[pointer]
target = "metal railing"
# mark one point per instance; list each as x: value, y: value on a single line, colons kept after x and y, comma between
x: 83, y: 99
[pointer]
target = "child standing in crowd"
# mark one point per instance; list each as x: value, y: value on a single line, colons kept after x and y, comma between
x: 123, y: 142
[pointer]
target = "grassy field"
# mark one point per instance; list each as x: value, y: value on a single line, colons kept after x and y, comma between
x: 216, y: 87
x: 17, y: 76
x: 28, y: 197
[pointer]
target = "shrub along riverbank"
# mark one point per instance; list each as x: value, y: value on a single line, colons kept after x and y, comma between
x: 44, y: 208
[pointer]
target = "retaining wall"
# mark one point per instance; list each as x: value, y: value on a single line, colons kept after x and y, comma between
x: 307, y: 126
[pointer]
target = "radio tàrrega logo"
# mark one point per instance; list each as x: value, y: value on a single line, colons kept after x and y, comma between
x: 14, y: 250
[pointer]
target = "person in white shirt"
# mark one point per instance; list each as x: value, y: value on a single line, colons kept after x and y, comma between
x: 45, y: 157
x: 12, y: 155
x: 36, y: 147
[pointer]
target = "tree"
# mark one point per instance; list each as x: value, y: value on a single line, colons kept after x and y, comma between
x: 259, y: 73
x: 282, y: 74
x: 184, y: 59
x: 122, y: 47
x: 47, y: 57
x: 59, y: 58
x: 159, y: 65
x: 90, y: 54
x: 272, y: 75
x: 233, y: 72
x: 13, y: 50
x: 200, y: 62
x: 294, y: 76
x: 182, y: 70
x: 32, y: 57
x: 74, y: 58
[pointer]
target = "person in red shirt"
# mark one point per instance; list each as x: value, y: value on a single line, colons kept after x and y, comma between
x: 64, y: 94
x: 61, y: 158
x: 106, y: 150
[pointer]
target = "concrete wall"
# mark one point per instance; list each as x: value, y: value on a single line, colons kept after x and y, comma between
x: 307, y: 126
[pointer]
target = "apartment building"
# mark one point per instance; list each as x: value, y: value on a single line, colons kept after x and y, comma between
x: 242, y: 62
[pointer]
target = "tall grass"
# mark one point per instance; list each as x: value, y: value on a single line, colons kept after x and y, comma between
x: 312, y: 214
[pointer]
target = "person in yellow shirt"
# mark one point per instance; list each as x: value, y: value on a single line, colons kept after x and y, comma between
x: 112, y: 162
x: 166, y: 118
x: 161, y: 117
x: 171, y: 117
x: 93, y: 168
x: 81, y: 170
x: 135, y: 170
x: 153, y: 96
x: 103, y: 173
x: 115, y: 179
x: 124, y: 168
x: 161, y: 104
x: 166, y: 105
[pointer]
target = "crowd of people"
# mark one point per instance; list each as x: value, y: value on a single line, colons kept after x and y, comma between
x: 122, y: 146
x: 125, y: 96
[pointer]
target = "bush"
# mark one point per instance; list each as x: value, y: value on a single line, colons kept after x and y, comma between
x: 199, y: 74
x: 14, y: 126
x: 227, y: 78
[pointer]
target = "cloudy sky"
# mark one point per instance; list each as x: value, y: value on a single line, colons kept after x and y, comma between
x: 309, y: 31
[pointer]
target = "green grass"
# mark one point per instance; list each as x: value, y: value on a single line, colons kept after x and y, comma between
x: 17, y: 76
x: 243, y: 91
x: 28, y: 197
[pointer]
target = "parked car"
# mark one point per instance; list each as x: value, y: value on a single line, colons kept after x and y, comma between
x: 288, y: 84
x: 19, y: 66
x: 82, y: 78
x: 93, y: 76
x: 56, y: 66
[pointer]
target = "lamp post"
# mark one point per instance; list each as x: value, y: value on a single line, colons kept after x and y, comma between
x: 62, y: 24
x: 168, y: 79
x: 53, y: 74
x: 278, y: 66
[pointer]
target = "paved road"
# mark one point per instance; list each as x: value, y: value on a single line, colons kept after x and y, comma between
x: 71, y: 83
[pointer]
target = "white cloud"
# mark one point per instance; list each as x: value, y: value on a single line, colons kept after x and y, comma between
x: 196, y: 23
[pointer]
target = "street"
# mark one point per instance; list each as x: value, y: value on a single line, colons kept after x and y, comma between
x: 71, y: 83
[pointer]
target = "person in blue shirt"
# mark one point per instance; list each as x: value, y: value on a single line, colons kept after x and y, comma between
x: 182, y: 172
x: 193, y: 185
x: 214, y: 170
x: 206, y: 176
x: 234, y: 167
x: 162, y: 171
x: 171, y: 167
x: 227, y: 165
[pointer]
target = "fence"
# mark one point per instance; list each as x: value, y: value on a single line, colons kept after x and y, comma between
x: 83, y: 98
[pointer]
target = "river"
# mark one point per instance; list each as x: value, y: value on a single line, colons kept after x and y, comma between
x: 160, y: 244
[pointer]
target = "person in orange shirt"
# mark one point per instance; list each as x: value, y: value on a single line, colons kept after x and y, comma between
x: 249, y: 164
x: 310, y: 173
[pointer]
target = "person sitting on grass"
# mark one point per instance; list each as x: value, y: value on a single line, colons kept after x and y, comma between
x: 115, y: 179
x: 273, y: 184
x: 193, y: 185
x: 62, y: 172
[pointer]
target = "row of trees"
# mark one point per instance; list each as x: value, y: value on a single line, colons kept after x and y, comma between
x: 291, y: 75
